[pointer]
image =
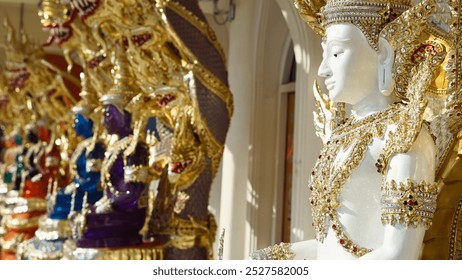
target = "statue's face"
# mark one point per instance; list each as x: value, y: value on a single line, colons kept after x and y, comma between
x: 349, y: 65
x: 114, y: 120
x: 82, y: 125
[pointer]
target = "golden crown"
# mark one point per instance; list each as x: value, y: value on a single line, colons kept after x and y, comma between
x: 89, y: 100
x: 370, y: 16
x: 124, y: 87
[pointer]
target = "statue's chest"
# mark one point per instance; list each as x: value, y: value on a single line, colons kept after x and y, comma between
x: 361, y: 190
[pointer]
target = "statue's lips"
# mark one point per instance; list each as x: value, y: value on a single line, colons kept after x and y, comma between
x: 330, y: 85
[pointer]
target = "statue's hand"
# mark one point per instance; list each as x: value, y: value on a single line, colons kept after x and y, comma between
x: 103, y: 205
x: 323, y: 115
x: 69, y: 189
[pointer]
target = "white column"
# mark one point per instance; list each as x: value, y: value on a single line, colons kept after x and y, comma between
x: 236, y: 160
x: 308, y: 54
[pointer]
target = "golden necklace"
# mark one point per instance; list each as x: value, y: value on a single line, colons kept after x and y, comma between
x: 112, y: 154
x: 328, y: 176
x: 76, y: 155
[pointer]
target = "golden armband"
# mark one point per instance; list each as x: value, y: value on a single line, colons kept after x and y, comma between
x: 408, y: 203
x: 281, y: 251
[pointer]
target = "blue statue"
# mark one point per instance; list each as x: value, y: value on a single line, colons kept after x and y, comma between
x: 64, y: 203
x: 85, y: 164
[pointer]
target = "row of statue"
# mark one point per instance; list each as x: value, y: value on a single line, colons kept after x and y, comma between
x: 123, y: 171
x: 387, y: 183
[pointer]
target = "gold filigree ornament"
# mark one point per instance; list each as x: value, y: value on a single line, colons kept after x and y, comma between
x: 443, y: 240
x: 188, y: 233
x: 72, y: 252
x: 281, y: 251
x: 81, y: 147
x: 436, y: 40
x: 408, y: 127
x: 202, y: 75
x: 370, y: 16
x: 328, y: 114
x: 408, y: 203
x: 180, y: 202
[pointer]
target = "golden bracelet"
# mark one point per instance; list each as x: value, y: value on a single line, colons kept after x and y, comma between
x: 408, y: 203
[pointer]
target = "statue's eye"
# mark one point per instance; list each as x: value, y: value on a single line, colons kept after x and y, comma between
x: 338, y: 53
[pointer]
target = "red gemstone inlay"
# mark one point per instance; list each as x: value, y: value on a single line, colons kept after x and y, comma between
x: 334, y: 227
x: 355, y: 249
x: 94, y: 62
x: 410, y: 202
x: 165, y: 99
x: 178, y: 167
x: 342, y: 241
x: 139, y: 40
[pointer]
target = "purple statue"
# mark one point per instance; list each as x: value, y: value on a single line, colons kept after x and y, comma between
x: 116, y: 220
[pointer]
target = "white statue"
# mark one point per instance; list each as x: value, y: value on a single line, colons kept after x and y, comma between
x: 372, y: 189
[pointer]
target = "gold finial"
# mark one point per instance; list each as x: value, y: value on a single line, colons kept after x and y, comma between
x: 124, y: 87
x: 89, y: 99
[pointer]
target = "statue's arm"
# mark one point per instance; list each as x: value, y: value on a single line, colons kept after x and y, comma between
x: 403, y: 241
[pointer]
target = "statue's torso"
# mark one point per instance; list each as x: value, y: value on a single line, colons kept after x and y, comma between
x: 346, y: 187
x: 359, y: 211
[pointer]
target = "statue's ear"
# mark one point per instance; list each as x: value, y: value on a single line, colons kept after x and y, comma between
x: 386, y: 52
x: 386, y: 58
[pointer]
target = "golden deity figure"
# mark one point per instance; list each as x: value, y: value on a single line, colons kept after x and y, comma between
x: 17, y: 76
x: 44, y: 112
x: 180, y: 214
x: 377, y: 189
x: 186, y: 95
x: 61, y: 20
x: 110, y: 229
x: 444, y: 239
x: 9, y: 148
x: 65, y: 201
